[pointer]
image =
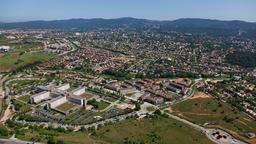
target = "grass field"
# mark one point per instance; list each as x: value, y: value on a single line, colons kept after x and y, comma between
x: 12, y: 61
x: 16, y: 84
x: 20, y: 46
x: 98, y: 105
x: 25, y: 47
x: 101, y: 105
x: 42, y: 135
x: 78, y: 138
x: 149, y: 131
x: 20, y: 106
x: 3, y: 40
x: 25, y: 98
x: 20, y: 54
x: 111, y: 99
x: 216, y: 113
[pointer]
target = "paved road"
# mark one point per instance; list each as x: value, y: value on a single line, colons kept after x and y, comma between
x: 2, y: 79
x: 7, y: 113
x: 76, y: 128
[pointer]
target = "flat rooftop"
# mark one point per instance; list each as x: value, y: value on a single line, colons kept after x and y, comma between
x: 66, y: 106
x: 87, y: 95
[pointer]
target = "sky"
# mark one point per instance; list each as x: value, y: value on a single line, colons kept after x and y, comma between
x: 27, y: 10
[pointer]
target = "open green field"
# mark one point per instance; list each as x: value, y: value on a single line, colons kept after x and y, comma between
x: 98, y: 105
x: 4, y: 40
x: 78, y: 138
x: 148, y: 130
x: 25, y: 47
x: 215, y: 113
x: 21, y: 107
x: 111, y: 99
x: 17, y: 84
x: 20, y: 54
x: 12, y: 61
x: 25, y: 98
x: 20, y: 46
x: 59, y: 135
x: 101, y: 105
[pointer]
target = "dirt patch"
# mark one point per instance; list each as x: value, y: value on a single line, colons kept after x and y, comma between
x: 4, y: 68
x: 216, y: 81
x: 15, y: 55
x: 6, y: 116
x: 169, y: 109
x: 199, y: 114
x: 199, y: 95
x: 252, y: 141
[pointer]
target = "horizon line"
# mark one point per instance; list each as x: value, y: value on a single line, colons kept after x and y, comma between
x: 48, y: 20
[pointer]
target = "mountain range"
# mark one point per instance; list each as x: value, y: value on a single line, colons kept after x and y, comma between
x: 215, y: 27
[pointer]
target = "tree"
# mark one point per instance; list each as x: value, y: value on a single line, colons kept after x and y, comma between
x: 51, y: 140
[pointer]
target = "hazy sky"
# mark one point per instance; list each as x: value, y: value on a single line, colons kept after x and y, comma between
x: 24, y: 10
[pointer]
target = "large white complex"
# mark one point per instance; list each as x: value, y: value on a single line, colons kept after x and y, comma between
x: 59, y: 95
x: 57, y: 101
x: 77, y: 100
x: 78, y: 91
x: 64, y: 87
x: 76, y: 97
x: 40, y: 96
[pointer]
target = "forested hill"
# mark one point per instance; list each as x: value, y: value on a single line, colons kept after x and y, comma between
x: 215, y: 27
x: 245, y: 59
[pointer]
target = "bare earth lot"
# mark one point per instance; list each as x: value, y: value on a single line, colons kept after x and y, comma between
x: 199, y: 95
